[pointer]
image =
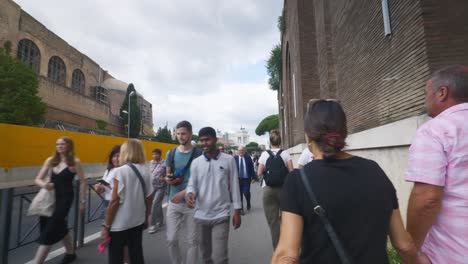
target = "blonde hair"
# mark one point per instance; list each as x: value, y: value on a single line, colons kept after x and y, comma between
x: 275, y: 137
x: 132, y: 151
x: 69, y: 156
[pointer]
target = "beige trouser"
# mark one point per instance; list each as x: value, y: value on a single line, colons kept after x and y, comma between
x: 177, y: 216
x: 271, y: 206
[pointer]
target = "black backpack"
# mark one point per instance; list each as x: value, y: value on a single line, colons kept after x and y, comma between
x: 275, y: 170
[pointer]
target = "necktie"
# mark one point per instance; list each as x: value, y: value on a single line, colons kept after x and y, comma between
x: 241, y: 169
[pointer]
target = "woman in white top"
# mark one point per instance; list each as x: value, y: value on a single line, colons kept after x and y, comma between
x: 271, y: 194
x: 130, y: 205
x: 104, y: 186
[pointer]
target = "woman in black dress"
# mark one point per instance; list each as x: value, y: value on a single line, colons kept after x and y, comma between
x: 63, y: 167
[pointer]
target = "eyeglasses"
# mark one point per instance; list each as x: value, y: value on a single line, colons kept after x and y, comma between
x: 313, y: 101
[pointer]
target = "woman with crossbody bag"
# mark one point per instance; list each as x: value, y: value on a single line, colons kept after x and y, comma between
x: 339, y: 208
x: 130, y: 205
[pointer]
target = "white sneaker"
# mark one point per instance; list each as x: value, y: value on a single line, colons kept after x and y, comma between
x: 152, y: 229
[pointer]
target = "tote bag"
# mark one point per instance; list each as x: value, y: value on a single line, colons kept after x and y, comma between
x: 43, y: 203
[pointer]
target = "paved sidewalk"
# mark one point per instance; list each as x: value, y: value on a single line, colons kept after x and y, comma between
x: 249, y: 244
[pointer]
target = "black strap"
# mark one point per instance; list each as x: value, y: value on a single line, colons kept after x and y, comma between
x: 278, y: 154
x: 142, y: 181
x: 172, y: 158
x: 344, y: 257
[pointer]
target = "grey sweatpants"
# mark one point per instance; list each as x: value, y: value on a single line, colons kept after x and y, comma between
x: 157, y: 215
x: 214, y: 236
x: 271, y: 206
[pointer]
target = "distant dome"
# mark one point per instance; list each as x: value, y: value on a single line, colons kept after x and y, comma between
x: 114, y: 84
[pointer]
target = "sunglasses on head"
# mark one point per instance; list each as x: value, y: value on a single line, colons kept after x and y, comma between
x: 313, y: 101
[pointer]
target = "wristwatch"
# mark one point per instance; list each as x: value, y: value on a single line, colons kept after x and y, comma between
x: 106, y: 226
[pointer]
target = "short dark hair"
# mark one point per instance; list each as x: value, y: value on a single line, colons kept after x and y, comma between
x: 157, y: 151
x: 325, y: 124
x: 207, y: 131
x: 185, y: 124
x: 455, y: 78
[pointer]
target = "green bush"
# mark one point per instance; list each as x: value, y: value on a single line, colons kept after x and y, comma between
x: 393, y: 257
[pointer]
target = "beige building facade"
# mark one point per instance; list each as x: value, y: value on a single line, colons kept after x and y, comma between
x: 70, y: 83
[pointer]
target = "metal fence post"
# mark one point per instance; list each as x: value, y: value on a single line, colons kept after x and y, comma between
x: 76, y: 211
x: 81, y: 222
x: 6, y: 204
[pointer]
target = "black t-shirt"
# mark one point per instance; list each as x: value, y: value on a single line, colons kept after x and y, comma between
x: 359, y: 200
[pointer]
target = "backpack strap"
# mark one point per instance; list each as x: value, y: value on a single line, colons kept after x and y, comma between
x: 195, y: 153
x: 270, y: 153
x: 171, y: 159
x: 278, y: 154
x: 318, y: 210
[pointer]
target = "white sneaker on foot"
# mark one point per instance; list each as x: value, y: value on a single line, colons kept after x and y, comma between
x: 152, y: 229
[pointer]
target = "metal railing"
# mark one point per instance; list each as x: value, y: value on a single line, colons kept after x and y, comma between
x: 14, y: 204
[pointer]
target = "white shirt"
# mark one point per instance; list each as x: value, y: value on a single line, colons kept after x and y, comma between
x: 264, y: 157
x: 306, y: 157
x: 242, y: 161
x: 215, y: 184
x: 132, y: 209
x: 109, y: 176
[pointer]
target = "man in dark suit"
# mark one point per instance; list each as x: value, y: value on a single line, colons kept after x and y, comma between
x: 246, y: 175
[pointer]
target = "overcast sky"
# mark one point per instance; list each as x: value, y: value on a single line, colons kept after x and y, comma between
x: 203, y: 61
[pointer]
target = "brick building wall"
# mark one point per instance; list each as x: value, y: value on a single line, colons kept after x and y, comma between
x: 379, y: 79
x: 299, y: 69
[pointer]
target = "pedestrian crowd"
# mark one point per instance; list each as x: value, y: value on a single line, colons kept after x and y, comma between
x: 335, y: 208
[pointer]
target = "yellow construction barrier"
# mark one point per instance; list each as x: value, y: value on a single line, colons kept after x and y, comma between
x: 23, y: 146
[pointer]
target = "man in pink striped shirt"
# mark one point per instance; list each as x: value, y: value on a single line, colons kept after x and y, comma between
x: 438, y: 166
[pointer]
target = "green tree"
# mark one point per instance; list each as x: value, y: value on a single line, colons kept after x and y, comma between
x: 195, y: 138
x: 164, y: 135
x: 101, y: 124
x: 19, y: 102
x: 135, y: 116
x: 274, y: 67
x: 281, y: 23
x: 232, y: 147
x: 252, y: 146
x: 267, y: 124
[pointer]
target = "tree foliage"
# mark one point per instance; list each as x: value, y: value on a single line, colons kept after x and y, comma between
x: 281, y: 23
x: 19, y: 102
x: 135, y: 116
x: 252, y: 146
x: 101, y: 124
x: 267, y: 124
x: 274, y: 67
x: 164, y: 135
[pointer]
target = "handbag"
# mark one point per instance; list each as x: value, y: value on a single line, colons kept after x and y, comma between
x: 318, y: 210
x: 43, y: 203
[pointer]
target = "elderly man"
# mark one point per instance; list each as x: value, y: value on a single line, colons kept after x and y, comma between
x: 246, y: 175
x: 438, y: 166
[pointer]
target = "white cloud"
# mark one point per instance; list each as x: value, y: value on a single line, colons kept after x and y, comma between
x: 179, y: 54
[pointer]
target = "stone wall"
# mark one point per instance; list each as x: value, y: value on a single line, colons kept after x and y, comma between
x: 379, y: 79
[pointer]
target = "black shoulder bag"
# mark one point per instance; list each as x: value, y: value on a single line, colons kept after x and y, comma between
x: 140, y: 178
x: 318, y: 210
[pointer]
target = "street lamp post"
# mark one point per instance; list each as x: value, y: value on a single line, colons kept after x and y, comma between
x: 128, y: 113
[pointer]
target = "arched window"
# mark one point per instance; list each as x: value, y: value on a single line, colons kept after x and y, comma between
x: 29, y: 54
x: 56, y: 70
x: 78, y: 81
